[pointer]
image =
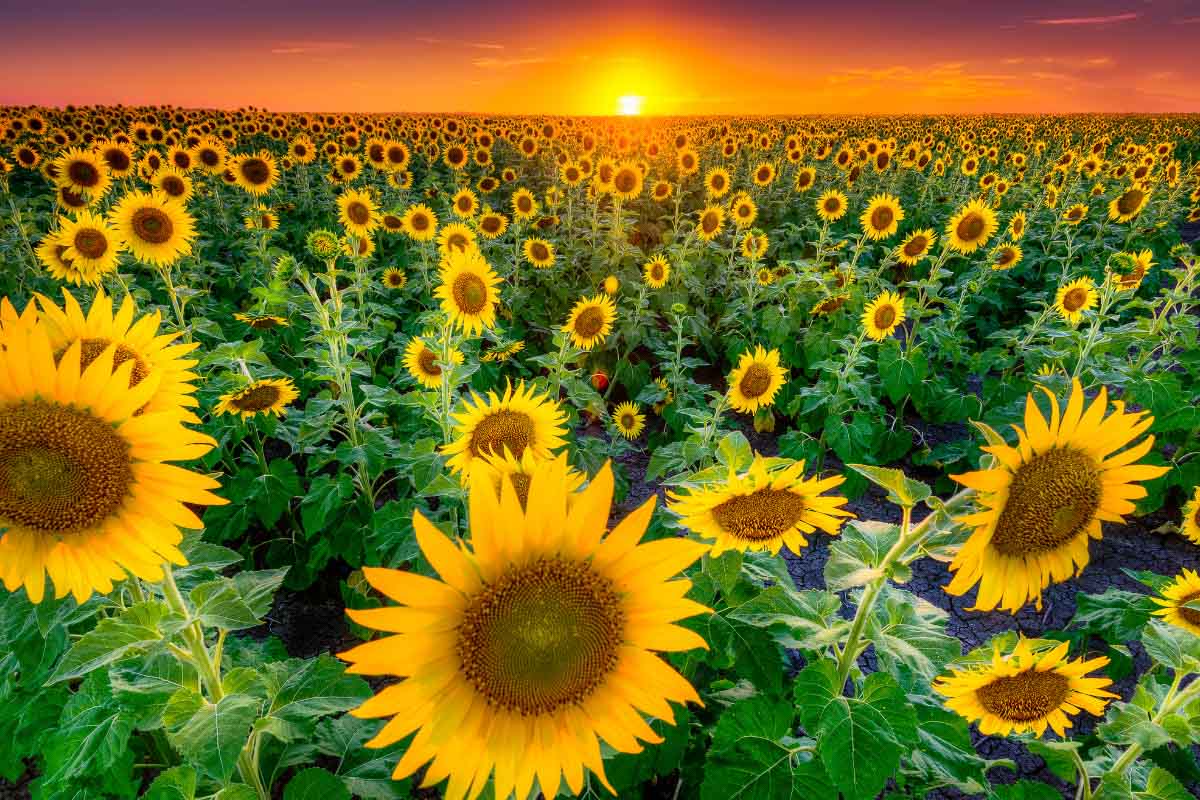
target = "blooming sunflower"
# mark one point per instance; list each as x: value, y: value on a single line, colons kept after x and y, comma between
x: 755, y: 380
x: 626, y: 181
x: 1006, y: 256
x: 519, y: 420
x: 394, y: 278
x: 971, y: 227
x: 539, y: 253
x: 591, y: 320
x: 915, y: 247
x: 1047, y: 496
x: 882, y: 315
x: 492, y: 224
x: 758, y: 510
x: 173, y: 182
x: 155, y: 228
x: 1190, y: 527
x: 535, y: 644
x: 420, y: 223
x: 267, y: 396
x: 824, y: 308
x: 468, y: 290
x: 257, y: 173
x: 712, y: 218
x: 629, y: 420
x: 465, y: 203
x: 1128, y: 204
x: 1074, y: 298
x: 520, y: 473
x: 1075, y: 214
x: 1026, y: 691
x: 882, y: 216
x: 86, y: 494
x: 1175, y: 600
x: 717, y: 182
x: 92, y: 245
x: 656, y: 271
x: 358, y: 213
x: 456, y: 237
x: 83, y: 172
x: 261, y: 322
x: 832, y: 205
x: 525, y: 205
x: 743, y: 211
x: 422, y: 363
x: 52, y: 253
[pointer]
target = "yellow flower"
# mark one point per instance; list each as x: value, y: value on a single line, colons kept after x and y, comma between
x: 420, y: 223
x: 468, y: 290
x: 656, y: 272
x: 882, y: 315
x: 712, y: 219
x: 1190, y: 527
x: 358, y: 213
x: 629, y: 420
x: 971, y: 227
x: 157, y: 229
x: 422, y: 363
x: 268, y: 396
x: 1074, y: 298
x: 882, y: 216
x: 1128, y: 204
x: 519, y: 420
x: 832, y: 205
x: 756, y: 380
x: 1175, y: 598
x: 591, y: 321
x: 539, y: 253
x: 915, y: 247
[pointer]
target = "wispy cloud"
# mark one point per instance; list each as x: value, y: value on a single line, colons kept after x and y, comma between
x: 1187, y: 21
x: 485, y: 46
x: 459, y: 43
x: 310, y: 48
x: 505, y: 63
x: 1101, y: 20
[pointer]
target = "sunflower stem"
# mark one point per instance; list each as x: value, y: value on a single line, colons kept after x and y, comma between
x: 193, y: 637
x: 1170, y: 704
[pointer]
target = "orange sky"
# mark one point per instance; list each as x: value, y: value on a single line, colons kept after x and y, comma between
x: 752, y: 56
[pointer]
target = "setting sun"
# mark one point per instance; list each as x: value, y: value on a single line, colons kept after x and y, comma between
x: 629, y: 105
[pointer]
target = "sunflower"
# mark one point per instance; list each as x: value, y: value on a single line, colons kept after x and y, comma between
x: 1074, y: 298
x: 1026, y: 691
x: 173, y: 182
x: 805, y: 179
x: 503, y: 353
x: 1075, y: 214
x: 519, y: 420
x: 52, y: 253
x: 394, y: 278
x: 117, y: 157
x: 492, y: 224
x: 525, y: 205
x: 267, y: 396
x: 455, y: 237
x: 422, y: 363
x: 83, y: 172
x: 86, y: 494
x: 261, y: 322
x: 92, y: 245
x: 590, y: 321
x: 322, y: 244
x: 626, y: 181
x: 1178, y: 601
x: 1006, y: 256
x: 155, y: 228
x: 764, y: 174
x: 882, y: 216
x: 824, y: 308
x: 743, y: 211
x: 882, y: 315
x: 540, y: 632
x: 358, y: 213
x: 656, y: 272
x: 1128, y: 204
x: 611, y: 285
x: 257, y: 173
x: 420, y: 223
x: 211, y: 155
x: 1190, y: 527
x: 468, y: 290
x: 971, y: 227
x: 717, y: 182
x: 465, y: 204
x: 520, y: 472
x: 758, y: 510
x: 1016, y: 226
x: 539, y: 253
x: 155, y: 356
x: 755, y: 380
x: 915, y: 247
x: 832, y: 205
x: 712, y: 218
x: 629, y: 420
x: 1047, y: 496
x: 754, y: 246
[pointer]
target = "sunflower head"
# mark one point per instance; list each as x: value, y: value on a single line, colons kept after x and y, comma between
x: 539, y: 253
x: 156, y: 229
x: 882, y: 216
x: 468, y: 290
x: 756, y: 380
x: 628, y: 420
x: 1076, y: 297
x: 656, y: 272
x: 915, y: 247
x: 1180, y: 601
x: 268, y: 396
x: 971, y: 227
x: 832, y: 205
x: 882, y: 315
x: 590, y: 321
x: 423, y: 364
x: 521, y: 419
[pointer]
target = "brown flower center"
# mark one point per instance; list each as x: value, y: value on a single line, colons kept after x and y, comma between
x: 590, y: 322
x: 1024, y: 697
x: 1052, y: 500
x: 763, y: 515
x: 358, y: 213
x: 256, y: 171
x: 256, y: 398
x: 152, y: 225
x: 885, y: 316
x: 83, y: 174
x: 502, y: 429
x: 755, y: 381
x: 970, y: 227
x: 90, y: 243
x: 428, y: 363
x: 1129, y: 202
x: 1075, y: 298
x: 881, y: 218
x: 915, y: 246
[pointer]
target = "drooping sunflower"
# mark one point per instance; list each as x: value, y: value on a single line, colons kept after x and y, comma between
x: 1026, y: 691
x: 257, y: 173
x: 712, y: 219
x: 1140, y: 264
x: 156, y: 229
x: 420, y: 223
x: 656, y: 272
x: 882, y: 315
x: 91, y: 243
x: 262, y: 322
x: 358, y: 212
x: 629, y: 420
x: 761, y: 509
x: 1074, y: 298
x: 1128, y: 204
x: 823, y: 308
x: 83, y: 172
x: 915, y: 247
x: 1175, y: 600
x: 502, y: 353
x: 1190, y: 526
x: 86, y: 493
x: 756, y: 380
x: 1006, y: 256
x: 267, y: 396
x: 591, y: 320
x: 539, y: 253
x: 394, y: 278
x: 519, y: 420
x: 157, y: 356
x: 832, y: 205
x: 540, y: 632
x: 882, y: 216
x: 468, y: 290
x: 422, y: 363
x: 971, y: 227
x: 1047, y: 496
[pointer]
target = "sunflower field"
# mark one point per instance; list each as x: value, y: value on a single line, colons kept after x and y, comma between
x: 390, y: 456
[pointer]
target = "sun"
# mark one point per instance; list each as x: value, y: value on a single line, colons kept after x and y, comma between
x: 629, y: 105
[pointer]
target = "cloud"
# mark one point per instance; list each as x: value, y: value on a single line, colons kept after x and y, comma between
x: 485, y: 46
x: 505, y: 63
x: 1103, y: 20
x: 310, y: 48
x: 459, y: 43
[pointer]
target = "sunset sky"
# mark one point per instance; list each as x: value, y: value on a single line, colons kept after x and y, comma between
x: 697, y: 57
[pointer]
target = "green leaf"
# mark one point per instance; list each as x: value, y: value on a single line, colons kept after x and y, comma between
x: 726, y: 569
x: 219, y: 604
x: 210, y: 736
x: 92, y: 734
x: 806, y: 620
x: 315, y: 783
x: 749, y: 650
x: 137, y: 627
x: 855, y: 555
x: 1172, y: 646
x: 1026, y: 790
x: 1057, y: 756
x: 301, y: 692
x: 143, y: 687
x: 1127, y: 723
x: 902, y: 490
x: 367, y: 773
x: 944, y: 749
x: 1162, y: 785
x: 910, y: 639
x: 237, y: 791
x: 734, y: 451
x: 1116, y: 616
x: 257, y: 589
x: 276, y: 490
x: 177, y: 783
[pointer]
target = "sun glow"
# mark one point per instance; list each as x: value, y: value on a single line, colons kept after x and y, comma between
x: 629, y: 105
